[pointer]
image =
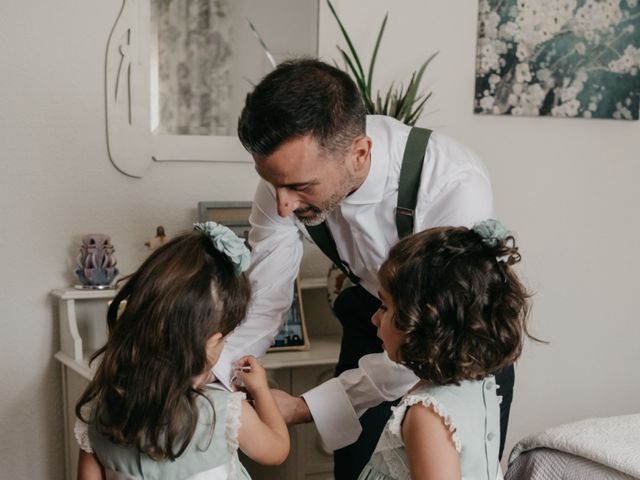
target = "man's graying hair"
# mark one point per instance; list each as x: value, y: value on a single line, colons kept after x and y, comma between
x: 302, y: 97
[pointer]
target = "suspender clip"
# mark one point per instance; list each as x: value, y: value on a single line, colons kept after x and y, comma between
x: 407, y: 212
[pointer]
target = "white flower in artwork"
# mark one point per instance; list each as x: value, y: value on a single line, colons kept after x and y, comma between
x: 632, y: 3
x: 490, y: 23
x: 540, y: 20
x: 523, y: 74
x: 622, y: 112
x: 567, y: 109
x: 581, y: 48
x: 522, y: 52
x: 587, y: 114
x: 508, y: 30
x: 489, y: 52
x: 484, y: 6
x: 486, y: 103
x: 581, y: 76
x: 595, y: 17
x: 629, y: 60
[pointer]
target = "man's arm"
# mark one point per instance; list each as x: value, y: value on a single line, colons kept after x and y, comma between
x: 335, y: 405
x: 275, y: 259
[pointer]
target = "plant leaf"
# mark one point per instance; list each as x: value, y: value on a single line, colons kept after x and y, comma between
x: 359, y: 80
x: 347, y: 39
x: 413, y: 117
x: 375, y: 53
x: 269, y: 55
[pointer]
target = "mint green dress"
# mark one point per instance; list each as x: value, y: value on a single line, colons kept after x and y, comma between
x: 470, y: 410
x: 208, y: 456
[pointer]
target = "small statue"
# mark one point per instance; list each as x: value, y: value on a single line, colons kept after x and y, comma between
x: 158, y: 240
x: 96, y: 261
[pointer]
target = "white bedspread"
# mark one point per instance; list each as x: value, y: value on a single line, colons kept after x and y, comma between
x: 612, y: 441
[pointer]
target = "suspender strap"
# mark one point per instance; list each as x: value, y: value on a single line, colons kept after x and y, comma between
x: 324, y: 240
x: 409, y: 183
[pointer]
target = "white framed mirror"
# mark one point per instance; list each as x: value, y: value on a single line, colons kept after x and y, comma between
x: 177, y: 73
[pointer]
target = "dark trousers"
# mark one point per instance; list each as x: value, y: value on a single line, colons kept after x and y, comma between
x: 354, y: 308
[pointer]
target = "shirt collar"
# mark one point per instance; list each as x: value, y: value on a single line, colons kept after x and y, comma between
x: 372, y: 189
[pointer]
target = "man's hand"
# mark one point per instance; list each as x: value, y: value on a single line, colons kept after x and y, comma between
x: 293, y: 409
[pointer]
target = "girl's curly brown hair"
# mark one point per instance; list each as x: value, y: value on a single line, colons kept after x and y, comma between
x: 460, y: 305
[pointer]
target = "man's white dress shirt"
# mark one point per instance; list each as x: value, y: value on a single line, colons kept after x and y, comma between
x: 455, y: 190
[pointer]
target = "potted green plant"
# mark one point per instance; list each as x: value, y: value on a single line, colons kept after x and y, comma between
x: 407, y: 105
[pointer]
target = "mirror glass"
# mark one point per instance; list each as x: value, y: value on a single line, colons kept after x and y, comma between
x: 204, y: 57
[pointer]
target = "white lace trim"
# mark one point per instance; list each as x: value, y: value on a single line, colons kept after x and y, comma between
x: 81, y: 429
x: 234, y: 412
x: 232, y: 425
x: 395, y: 423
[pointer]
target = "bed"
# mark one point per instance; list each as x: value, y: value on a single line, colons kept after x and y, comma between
x: 596, y: 448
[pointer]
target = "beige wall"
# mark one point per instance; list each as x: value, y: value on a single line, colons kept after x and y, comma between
x: 567, y: 188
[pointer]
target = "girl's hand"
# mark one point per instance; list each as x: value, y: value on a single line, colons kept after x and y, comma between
x: 251, y: 372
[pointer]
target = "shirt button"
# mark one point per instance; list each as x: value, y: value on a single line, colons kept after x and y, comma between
x: 490, y: 436
x: 489, y: 385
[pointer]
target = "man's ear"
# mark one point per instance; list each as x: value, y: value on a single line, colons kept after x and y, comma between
x: 361, y: 149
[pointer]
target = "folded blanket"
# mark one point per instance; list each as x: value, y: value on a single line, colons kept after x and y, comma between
x: 611, y: 441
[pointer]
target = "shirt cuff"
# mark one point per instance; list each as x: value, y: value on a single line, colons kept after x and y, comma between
x: 333, y: 414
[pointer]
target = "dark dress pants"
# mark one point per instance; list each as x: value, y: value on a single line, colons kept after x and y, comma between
x: 354, y: 308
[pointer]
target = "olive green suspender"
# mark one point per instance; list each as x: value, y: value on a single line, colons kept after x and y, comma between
x: 409, y: 183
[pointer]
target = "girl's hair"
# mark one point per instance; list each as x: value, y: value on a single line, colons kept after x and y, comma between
x: 458, y: 302
x: 159, y: 324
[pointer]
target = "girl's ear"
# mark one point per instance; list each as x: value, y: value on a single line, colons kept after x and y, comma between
x: 214, y: 347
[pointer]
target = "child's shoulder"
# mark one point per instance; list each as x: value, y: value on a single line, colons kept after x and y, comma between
x: 224, y: 402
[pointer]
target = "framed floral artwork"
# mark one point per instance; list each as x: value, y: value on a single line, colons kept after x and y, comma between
x: 235, y: 215
x: 560, y: 58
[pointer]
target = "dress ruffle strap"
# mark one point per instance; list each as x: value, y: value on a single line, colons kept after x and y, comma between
x: 81, y: 429
x: 395, y: 422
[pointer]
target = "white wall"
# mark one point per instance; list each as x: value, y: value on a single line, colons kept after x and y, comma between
x: 57, y: 183
x: 567, y: 188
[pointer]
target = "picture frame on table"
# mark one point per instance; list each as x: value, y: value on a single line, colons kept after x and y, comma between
x: 235, y: 215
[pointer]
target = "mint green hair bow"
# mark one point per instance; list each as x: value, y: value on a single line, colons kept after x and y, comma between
x: 491, y: 231
x: 227, y: 242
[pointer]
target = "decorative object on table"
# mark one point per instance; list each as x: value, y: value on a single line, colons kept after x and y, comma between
x: 293, y: 332
x: 337, y: 281
x: 234, y: 215
x: 560, y: 58
x: 158, y: 240
x: 405, y: 105
x: 96, y: 261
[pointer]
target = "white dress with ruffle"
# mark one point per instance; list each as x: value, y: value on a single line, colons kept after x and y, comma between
x: 470, y: 410
x: 211, y: 454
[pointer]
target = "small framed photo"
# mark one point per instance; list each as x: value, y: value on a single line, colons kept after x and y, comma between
x: 235, y: 215
x: 293, y: 332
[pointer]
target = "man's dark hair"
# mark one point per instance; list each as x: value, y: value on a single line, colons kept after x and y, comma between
x: 302, y: 97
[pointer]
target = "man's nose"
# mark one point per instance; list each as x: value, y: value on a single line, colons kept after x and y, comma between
x: 287, y: 202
